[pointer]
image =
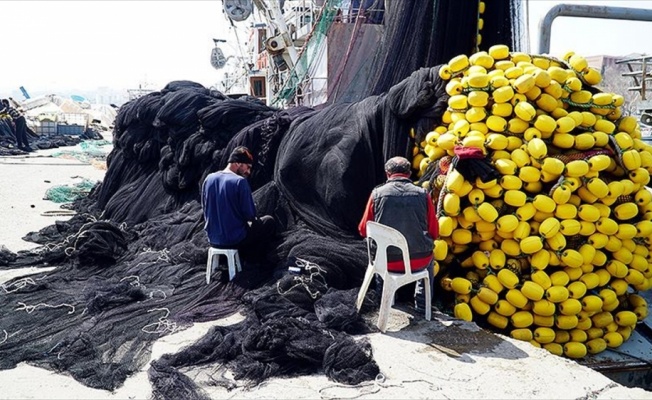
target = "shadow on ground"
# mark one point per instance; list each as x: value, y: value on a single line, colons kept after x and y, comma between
x: 455, y: 338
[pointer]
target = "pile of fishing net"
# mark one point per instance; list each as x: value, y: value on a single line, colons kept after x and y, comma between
x: 8, y: 139
x: 69, y: 193
x: 130, y: 266
x: 93, y: 152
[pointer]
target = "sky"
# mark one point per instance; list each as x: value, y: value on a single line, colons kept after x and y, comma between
x: 592, y: 36
x: 52, y: 45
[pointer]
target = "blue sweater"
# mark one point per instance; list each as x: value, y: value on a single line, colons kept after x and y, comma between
x: 228, y: 205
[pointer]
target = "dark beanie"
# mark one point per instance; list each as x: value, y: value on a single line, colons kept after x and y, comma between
x: 242, y: 155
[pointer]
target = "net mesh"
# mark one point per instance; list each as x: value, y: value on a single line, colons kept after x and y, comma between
x: 69, y: 193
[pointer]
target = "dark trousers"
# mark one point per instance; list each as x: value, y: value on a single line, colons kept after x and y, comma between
x: 255, y: 244
x: 21, y: 132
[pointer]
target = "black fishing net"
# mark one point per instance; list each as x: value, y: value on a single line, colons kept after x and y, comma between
x: 131, y: 265
x: 505, y: 23
x: 424, y: 33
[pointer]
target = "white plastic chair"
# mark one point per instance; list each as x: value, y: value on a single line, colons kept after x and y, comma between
x: 232, y: 257
x: 385, y: 236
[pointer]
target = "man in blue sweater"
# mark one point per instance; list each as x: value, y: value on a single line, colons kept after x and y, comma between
x: 230, y: 212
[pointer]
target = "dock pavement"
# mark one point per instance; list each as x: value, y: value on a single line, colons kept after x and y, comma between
x: 440, y: 359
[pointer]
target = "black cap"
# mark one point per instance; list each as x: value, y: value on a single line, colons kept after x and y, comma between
x: 242, y: 155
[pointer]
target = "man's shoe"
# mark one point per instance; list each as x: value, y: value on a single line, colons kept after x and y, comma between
x: 420, y: 297
x: 222, y: 266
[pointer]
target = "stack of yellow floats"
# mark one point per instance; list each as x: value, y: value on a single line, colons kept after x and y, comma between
x: 557, y: 249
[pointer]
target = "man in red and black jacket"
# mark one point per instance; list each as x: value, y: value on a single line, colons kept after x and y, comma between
x: 400, y: 204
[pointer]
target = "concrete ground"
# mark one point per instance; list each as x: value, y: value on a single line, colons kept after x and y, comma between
x: 439, y: 359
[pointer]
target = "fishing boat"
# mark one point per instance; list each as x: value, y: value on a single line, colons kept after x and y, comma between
x: 297, y: 52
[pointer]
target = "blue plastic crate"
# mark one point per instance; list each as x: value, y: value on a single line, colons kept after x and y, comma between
x: 47, y: 128
x: 70, y: 129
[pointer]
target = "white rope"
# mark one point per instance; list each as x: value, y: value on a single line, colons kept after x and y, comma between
x: 68, y: 250
x: 315, y: 271
x: 90, y: 217
x: 164, y: 255
x: 30, y: 309
x: 18, y: 284
x: 6, y: 337
x: 163, y: 325
x: 151, y: 294
x: 135, y: 282
x: 65, y: 242
x: 54, y: 347
x: 79, y: 235
x: 141, y: 263
x: 179, y: 257
x: 375, y: 387
x: 48, y: 247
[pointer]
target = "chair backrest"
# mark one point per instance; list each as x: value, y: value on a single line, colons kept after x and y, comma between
x: 386, y: 236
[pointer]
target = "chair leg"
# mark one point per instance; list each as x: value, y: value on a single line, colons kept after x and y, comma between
x: 368, y: 276
x: 428, y: 306
x: 209, y: 269
x: 232, y: 266
x: 386, y: 304
x: 238, y: 264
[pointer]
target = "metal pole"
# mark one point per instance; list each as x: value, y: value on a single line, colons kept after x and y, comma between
x: 584, y: 11
x: 644, y: 80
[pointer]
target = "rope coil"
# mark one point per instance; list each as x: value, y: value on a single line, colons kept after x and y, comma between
x: 315, y: 271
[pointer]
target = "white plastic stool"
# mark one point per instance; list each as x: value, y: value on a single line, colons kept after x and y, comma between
x: 232, y: 257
